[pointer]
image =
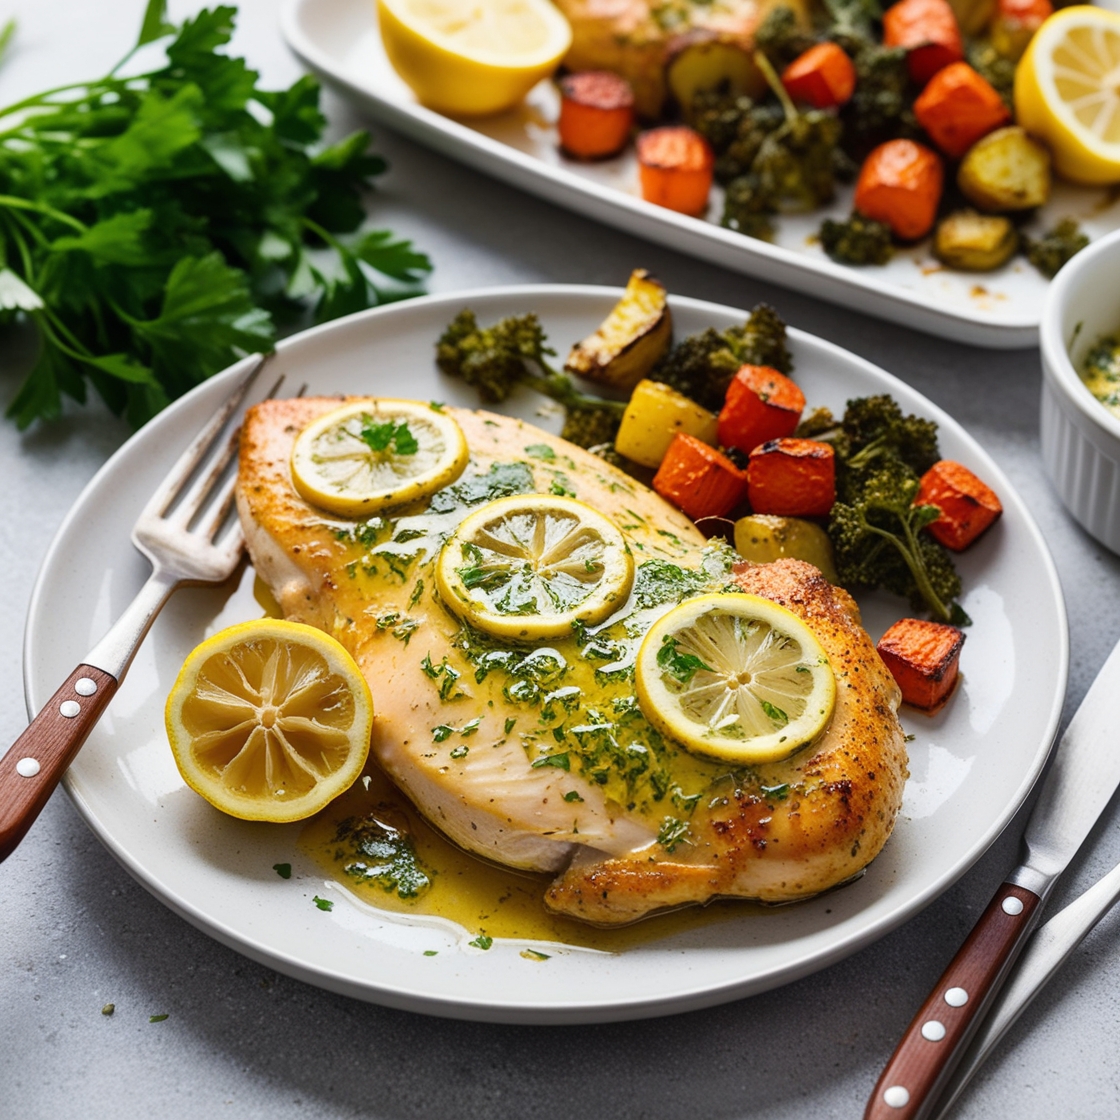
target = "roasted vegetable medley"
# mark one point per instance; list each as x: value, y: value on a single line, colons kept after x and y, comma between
x: 716, y: 425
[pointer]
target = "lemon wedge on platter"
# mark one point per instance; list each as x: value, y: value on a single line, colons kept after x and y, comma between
x: 531, y: 565
x: 371, y: 454
x: 1067, y: 93
x: 472, y: 57
x: 270, y: 720
x: 735, y: 677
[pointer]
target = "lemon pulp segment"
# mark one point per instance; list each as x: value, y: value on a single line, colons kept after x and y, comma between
x: 531, y: 565
x: 735, y: 677
x: 269, y: 720
x: 375, y: 453
x: 472, y: 57
x: 1067, y: 92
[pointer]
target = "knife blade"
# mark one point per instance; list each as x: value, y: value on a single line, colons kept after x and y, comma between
x: 1048, y: 949
x: 1084, y: 775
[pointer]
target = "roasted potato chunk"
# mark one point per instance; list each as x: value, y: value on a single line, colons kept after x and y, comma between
x: 763, y: 537
x: 1006, y: 170
x: 701, y: 60
x: 630, y: 341
x: 655, y: 415
x: 974, y: 242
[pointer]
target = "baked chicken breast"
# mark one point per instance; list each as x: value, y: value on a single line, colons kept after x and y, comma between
x: 536, y: 754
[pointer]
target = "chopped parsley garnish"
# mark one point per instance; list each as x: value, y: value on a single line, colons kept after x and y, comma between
x: 284, y: 870
x: 658, y: 581
x: 572, y: 795
x: 387, y: 436
x: 482, y: 941
x: 431, y: 952
x: 500, y: 481
x: 442, y: 733
x: 377, y: 852
x: 540, y: 451
x: 151, y: 1018
x: 774, y: 713
x: 323, y: 903
x: 560, y: 761
x: 681, y: 667
x: 776, y: 793
x: 672, y: 833
x: 460, y: 752
x: 510, y: 724
x: 534, y: 955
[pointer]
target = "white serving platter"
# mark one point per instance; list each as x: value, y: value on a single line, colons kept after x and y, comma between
x: 971, y: 765
x: 339, y: 40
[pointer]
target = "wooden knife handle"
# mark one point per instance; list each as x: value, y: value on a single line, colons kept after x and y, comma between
x: 934, y: 1042
x: 37, y: 760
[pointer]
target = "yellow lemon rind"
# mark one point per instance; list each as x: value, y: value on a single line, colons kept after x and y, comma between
x: 658, y: 703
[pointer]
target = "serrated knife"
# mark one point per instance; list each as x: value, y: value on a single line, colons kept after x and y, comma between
x: 1083, y: 777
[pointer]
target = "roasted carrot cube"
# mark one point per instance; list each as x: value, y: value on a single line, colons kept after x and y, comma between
x: 900, y: 185
x: 958, y: 107
x: 927, y: 30
x: 699, y: 480
x: 824, y: 76
x: 792, y: 478
x: 675, y: 167
x: 968, y: 506
x: 761, y: 404
x: 924, y: 659
x: 596, y: 114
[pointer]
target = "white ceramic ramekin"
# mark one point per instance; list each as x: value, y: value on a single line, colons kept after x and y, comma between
x: 1080, y: 437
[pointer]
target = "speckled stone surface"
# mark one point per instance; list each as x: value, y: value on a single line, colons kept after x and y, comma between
x: 239, y: 1040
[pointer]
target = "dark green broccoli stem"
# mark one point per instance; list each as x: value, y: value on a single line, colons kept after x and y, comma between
x: 909, y: 550
x: 776, y: 87
x: 559, y: 387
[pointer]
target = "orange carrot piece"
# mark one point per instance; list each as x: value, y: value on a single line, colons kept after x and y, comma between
x: 792, y: 478
x: 698, y: 479
x: 968, y: 506
x: 761, y: 404
x: 596, y: 114
x: 927, y: 30
x: 675, y: 166
x: 824, y: 77
x: 958, y: 107
x: 900, y: 184
x: 924, y: 659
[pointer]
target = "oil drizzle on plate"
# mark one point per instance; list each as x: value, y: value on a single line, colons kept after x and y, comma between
x: 481, y: 897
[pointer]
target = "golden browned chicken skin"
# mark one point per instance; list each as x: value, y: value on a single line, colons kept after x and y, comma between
x: 596, y: 805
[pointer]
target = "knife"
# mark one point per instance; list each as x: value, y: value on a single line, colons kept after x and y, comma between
x: 1045, y: 953
x: 1083, y: 777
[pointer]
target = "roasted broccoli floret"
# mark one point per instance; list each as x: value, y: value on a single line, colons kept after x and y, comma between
x: 858, y: 240
x: 996, y: 68
x: 781, y: 36
x: 747, y: 210
x: 852, y: 23
x: 702, y: 365
x: 875, y: 430
x: 881, y: 107
x: 514, y: 352
x: 735, y: 127
x: 1049, y: 252
x: 878, y: 541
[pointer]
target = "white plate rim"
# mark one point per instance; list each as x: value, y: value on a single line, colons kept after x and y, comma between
x: 513, y: 1011
x: 859, y: 289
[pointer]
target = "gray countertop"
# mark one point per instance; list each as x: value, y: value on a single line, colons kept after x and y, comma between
x: 240, y: 1040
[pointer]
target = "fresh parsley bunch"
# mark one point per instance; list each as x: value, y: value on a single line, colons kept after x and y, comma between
x: 155, y: 226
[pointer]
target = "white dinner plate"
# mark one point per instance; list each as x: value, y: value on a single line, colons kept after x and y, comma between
x: 339, y: 40
x: 971, y: 765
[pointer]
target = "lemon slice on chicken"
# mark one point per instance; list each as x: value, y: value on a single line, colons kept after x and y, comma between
x: 735, y: 677
x: 531, y: 565
x: 270, y: 720
x: 375, y: 453
x: 1067, y: 92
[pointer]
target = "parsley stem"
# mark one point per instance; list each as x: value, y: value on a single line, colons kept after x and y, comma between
x: 42, y: 208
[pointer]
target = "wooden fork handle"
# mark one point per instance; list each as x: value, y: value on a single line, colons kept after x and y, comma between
x: 934, y: 1042
x: 39, y: 757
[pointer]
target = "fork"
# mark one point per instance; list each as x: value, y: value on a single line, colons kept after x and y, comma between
x: 186, y: 533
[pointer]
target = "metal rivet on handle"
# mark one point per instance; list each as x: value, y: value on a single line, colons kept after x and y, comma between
x: 83, y: 686
x: 27, y: 767
x: 897, y: 1096
x: 933, y: 1031
x: 69, y: 708
x: 956, y: 997
x: 1012, y: 905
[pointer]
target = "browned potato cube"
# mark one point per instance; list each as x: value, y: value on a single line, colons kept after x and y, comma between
x: 1006, y: 170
